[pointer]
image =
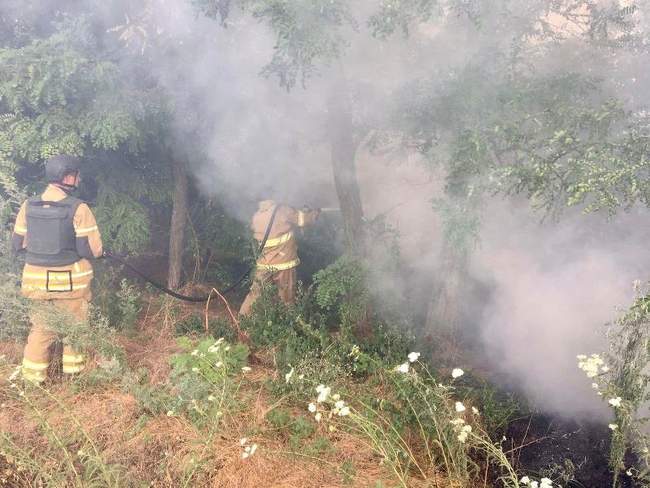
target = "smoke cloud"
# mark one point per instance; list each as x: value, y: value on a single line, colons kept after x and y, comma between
x: 551, y: 285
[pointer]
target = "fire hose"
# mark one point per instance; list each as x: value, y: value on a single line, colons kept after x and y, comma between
x: 121, y: 260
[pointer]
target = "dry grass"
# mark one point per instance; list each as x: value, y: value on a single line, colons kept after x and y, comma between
x: 158, y: 452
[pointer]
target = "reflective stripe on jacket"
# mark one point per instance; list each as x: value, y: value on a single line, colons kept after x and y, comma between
x: 281, y: 249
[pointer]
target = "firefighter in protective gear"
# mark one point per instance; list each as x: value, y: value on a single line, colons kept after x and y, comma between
x: 60, y: 235
x: 279, y: 259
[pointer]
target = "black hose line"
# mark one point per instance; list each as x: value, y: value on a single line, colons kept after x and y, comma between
x: 186, y: 298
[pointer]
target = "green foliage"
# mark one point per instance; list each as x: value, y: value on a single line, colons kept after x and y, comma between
x: 62, y: 93
x: 129, y: 304
x: 415, y: 424
x: 152, y: 399
x: 204, y: 378
x: 340, y: 290
x: 621, y: 378
x: 401, y: 16
x: 308, y: 32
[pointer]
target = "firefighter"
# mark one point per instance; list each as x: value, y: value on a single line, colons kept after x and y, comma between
x: 60, y: 235
x: 279, y: 259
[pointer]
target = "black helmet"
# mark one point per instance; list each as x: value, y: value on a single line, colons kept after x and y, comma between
x: 58, y: 166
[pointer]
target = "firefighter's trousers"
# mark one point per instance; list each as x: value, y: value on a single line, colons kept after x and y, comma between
x: 284, y: 280
x: 38, y: 351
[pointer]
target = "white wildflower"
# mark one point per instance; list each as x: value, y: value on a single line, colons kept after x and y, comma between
x: 336, y: 397
x: 249, y: 451
x: 612, y: 427
x: 318, y: 417
x: 402, y: 368
x: 243, y: 441
x: 344, y: 412
x: 227, y: 348
x: 323, y: 394
x: 545, y: 483
x: 211, y: 398
x: 629, y: 472
x: 170, y: 413
x: 287, y: 377
x: 413, y: 356
x: 605, y: 369
x: 591, y: 364
x: 218, y: 364
x: 457, y: 422
x: 195, y: 352
x: 312, y: 407
x: 459, y: 407
x: 615, y: 402
x: 457, y: 373
x: 534, y: 484
x: 195, y: 370
x: 525, y: 480
x: 475, y: 411
x: 340, y: 404
x: 246, y: 369
x: 14, y: 374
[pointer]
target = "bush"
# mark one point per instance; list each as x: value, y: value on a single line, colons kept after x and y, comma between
x: 202, y: 385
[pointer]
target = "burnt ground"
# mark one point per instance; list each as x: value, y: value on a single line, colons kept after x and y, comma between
x: 557, y: 447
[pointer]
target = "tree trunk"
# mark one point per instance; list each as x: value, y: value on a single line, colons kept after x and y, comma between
x: 343, y: 149
x: 443, y: 314
x: 344, y: 170
x: 178, y: 225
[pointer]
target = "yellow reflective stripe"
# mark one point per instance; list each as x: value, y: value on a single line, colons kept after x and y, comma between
x: 86, y: 230
x: 34, y: 365
x: 56, y: 275
x: 278, y: 240
x: 73, y: 358
x: 68, y: 369
x: 301, y: 218
x: 20, y: 230
x: 34, y: 376
x: 281, y: 266
x: 54, y: 287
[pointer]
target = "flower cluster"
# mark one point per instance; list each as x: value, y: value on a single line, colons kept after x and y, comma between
x: 405, y: 366
x: 543, y: 483
x: 328, y: 404
x: 248, y: 449
x: 462, y: 428
x: 592, y: 365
